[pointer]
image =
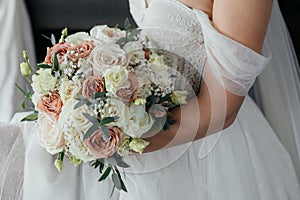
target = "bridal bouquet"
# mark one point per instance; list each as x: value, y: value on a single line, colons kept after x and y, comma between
x: 96, y: 94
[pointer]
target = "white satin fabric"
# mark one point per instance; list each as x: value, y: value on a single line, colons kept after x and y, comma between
x: 245, y: 161
x: 15, y: 35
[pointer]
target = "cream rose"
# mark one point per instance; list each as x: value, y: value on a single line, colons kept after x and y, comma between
x: 139, y: 122
x: 105, y: 56
x: 69, y: 89
x: 78, y: 38
x: 50, y: 104
x: 101, y: 148
x: 135, y: 52
x: 138, y: 145
x: 49, y: 135
x: 116, y: 78
x: 115, y: 107
x: 43, y: 81
x: 107, y: 35
x: 75, y: 118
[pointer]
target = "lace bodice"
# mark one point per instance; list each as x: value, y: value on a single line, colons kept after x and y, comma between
x: 177, y: 31
x: 189, y: 33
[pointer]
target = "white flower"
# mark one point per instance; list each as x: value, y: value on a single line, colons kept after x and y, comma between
x: 115, y: 107
x: 135, y: 52
x: 116, y: 78
x: 43, y: 81
x: 179, y: 97
x: 74, y: 126
x: 78, y: 37
x: 49, y: 135
x: 138, y: 145
x: 69, y: 89
x: 156, y: 59
x: 105, y: 56
x: 107, y: 35
x: 142, y: 73
x: 75, y: 118
x: 139, y: 123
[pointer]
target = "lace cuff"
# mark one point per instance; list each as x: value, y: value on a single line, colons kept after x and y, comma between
x: 235, y: 65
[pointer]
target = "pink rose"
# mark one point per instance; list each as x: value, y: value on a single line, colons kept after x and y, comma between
x: 130, y: 94
x: 81, y: 50
x: 92, y: 85
x: 99, y: 147
x: 50, y: 104
x: 60, y: 49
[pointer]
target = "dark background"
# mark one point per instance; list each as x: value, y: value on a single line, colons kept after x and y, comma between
x: 51, y: 16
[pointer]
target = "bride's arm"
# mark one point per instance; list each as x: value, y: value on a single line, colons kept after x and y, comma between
x: 245, y: 21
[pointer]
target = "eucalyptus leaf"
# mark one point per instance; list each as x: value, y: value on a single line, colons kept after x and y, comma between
x: 105, y: 174
x: 133, y: 34
x: 79, y: 104
x: 127, y: 25
x: 53, y: 40
x: 31, y: 117
x: 116, y: 181
x: 101, y: 167
x: 123, y: 187
x: 108, y: 120
x: 121, y: 41
x: 92, y: 119
x: 105, y: 132
x: 171, y: 122
x: 123, y: 164
x: 23, y: 105
x: 91, y: 130
x: 112, y: 161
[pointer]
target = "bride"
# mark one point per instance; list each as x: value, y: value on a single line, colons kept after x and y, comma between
x: 221, y: 146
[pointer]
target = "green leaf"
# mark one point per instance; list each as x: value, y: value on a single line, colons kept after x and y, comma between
x: 123, y: 187
x: 53, y: 40
x: 23, y: 91
x: 44, y: 66
x: 92, y: 119
x: 112, y: 161
x: 101, y: 167
x: 105, y: 132
x: 80, y: 103
x: 171, y: 122
x: 91, y: 130
x: 169, y: 105
x: 116, y: 181
x: 108, y: 120
x: 112, y: 191
x: 96, y: 164
x: 46, y: 37
x: 23, y: 105
x: 99, y: 95
x: 127, y: 25
x: 31, y: 117
x: 134, y: 34
x: 55, y: 62
x: 121, y: 41
x: 105, y: 174
x: 123, y: 164
x: 116, y: 26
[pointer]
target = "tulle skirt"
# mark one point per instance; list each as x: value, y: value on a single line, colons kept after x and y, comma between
x: 243, y: 162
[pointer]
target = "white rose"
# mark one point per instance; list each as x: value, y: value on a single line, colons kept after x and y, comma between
x: 75, y: 118
x: 107, y: 35
x: 139, y: 123
x: 115, y: 107
x: 69, y: 89
x: 49, y: 135
x: 144, y: 89
x: 78, y: 38
x: 43, y: 81
x: 105, y: 56
x: 135, y: 52
x: 116, y: 78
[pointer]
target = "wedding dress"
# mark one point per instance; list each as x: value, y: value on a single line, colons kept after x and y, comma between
x: 245, y: 161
